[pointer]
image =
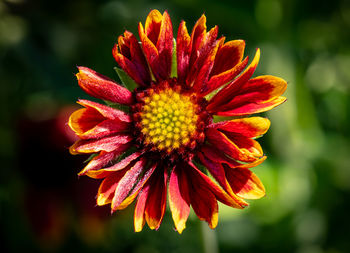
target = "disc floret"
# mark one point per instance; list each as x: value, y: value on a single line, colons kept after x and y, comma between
x: 169, y: 119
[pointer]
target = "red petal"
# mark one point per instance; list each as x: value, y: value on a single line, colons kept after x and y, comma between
x: 206, y: 66
x: 107, y: 188
x: 101, y: 173
x: 228, y: 56
x: 202, y: 199
x: 83, y: 120
x: 106, y: 111
x: 203, y: 59
x: 152, y: 25
x: 156, y: 201
x: 217, y: 156
x: 116, y: 185
x: 179, y: 199
x: 139, y: 215
x: 107, y: 144
x: 252, y: 164
x: 137, y: 73
x: 182, y: 52
x: 237, y: 180
x: 131, y: 58
x: 99, y: 86
x: 220, y: 194
x: 135, y: 191
x: 198, y: 34
x: 245, y: 183
x: 237, y: 147
x: 226, y: 94
x: 88, y: 123
x: 157, y: 43
x: 253, y: 108
x: 165, y: 45
x: 257, y: 95
x: 220, y: 79
x: 204, y: 203
x: 128, y: 181
x: 103, y: 159
x: 217, y: 171
x: 150, y: 51
x: 249, y: 127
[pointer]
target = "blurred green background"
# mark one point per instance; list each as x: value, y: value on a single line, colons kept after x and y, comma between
x: 45, y: 207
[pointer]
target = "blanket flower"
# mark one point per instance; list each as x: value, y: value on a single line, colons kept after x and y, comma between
x: 160, y: 140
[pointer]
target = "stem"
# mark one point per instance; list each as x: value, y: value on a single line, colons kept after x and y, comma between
x: 210, y: 243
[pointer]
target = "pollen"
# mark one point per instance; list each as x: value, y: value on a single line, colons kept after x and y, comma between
x: 168, y: 119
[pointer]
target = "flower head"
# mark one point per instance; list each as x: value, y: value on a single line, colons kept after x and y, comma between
x: 167, y: 139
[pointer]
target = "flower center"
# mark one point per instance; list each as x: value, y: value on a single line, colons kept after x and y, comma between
x: 168, y: 119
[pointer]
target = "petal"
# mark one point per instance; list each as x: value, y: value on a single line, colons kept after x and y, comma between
x: 165, y: 44
x: 151, y: 201
x: 107, y: 188
x: 202, y: 199
x: 217, y: 171
x: 220, y: 194
x: 106, y: 111
x: 220, y: 79
x: 253, y: 108
x: 116, y: 185
x: 135, y: 191
x: 179, y: 198
x: 150, y: 51
x: 217, y: 156
x: 201, y: 64
x: 229, y: 91
x: 139, y: 214
x: 208, y: 60
x: 103, y: 159
x: 88, y: 123
x: 249, y: 127
x: 197, y: 37
x: 101, y: 173
x: 252, y: 164
x: 84, y: 119
x: 257, y: 95
x: 99, y: 86
x: 152, y: 25
x: 107, y: 144
x: 128, y: 181
x: 238, y: 181
x: 157, y: 43
x: 228, y: 56
x: 204, y: 204
x: 137, y: 73
x: 237, y: 147
x: 156, y: 201
x: 131, y: 58
x: 183, y: 41
x: 245, y: 183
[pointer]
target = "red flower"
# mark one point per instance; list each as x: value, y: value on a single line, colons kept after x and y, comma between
x: 167, y: 140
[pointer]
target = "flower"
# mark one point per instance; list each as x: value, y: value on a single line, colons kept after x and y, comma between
x: 166, y: 140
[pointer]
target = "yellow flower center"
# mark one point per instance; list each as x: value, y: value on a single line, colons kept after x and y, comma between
x: 168, y: 119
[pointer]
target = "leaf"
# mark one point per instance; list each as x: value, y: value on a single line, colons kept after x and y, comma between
x: 90, y: 158
x: 126, y: 80
x: 120, y: 107
x: 174, y: 62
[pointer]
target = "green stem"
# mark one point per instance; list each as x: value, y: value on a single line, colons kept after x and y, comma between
x: 209, y: 240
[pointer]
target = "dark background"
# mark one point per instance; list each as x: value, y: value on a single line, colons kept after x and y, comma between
x: 45, y: 207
